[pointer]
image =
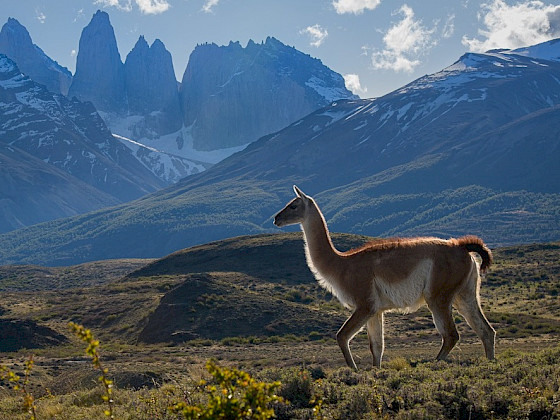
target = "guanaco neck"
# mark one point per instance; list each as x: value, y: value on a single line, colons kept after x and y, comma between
x: 320, y: 248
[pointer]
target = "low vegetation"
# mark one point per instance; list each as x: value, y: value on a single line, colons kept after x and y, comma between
x: 517, y: 385
x: 297, y: 366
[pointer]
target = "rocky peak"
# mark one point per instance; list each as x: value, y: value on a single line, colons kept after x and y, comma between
x: 141, y: 45
x: 99, y: 74
x: 151, y: 87
x: 252, y: 91
x: 158, y: 46
x: 16, y: 43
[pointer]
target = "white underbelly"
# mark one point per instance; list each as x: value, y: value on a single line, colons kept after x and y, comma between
x: 404, y: 294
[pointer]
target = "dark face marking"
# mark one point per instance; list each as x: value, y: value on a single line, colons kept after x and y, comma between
x: 291, y: 214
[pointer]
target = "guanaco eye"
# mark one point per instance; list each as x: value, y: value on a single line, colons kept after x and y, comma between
x: 293, y: 206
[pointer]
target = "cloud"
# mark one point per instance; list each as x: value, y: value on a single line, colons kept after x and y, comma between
x: 124, y: 5
x: 209, y: 5
x: 147, y: 7
x: 354, y: 6
x: 316, y: 33
x: 40, y: 16
x: 513, y: 26
x: 152, y: 7
x: 352, y: 82
x: 405, y: 42
x: 79, y: 15
x: 448, y: 27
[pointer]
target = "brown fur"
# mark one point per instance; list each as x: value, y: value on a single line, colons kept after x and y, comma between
x: 395, y: 273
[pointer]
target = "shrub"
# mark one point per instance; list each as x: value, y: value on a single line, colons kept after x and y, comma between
x: 236, y: 395
x: 17, y: 384
x: 398, y: 364
x: 297, y: 387
x: 86, y: 336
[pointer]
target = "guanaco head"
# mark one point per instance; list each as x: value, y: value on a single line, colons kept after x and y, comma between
x: 294, y: 212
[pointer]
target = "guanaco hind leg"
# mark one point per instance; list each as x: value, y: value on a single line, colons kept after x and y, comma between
x: 443, y: 318
x: 467, y: 303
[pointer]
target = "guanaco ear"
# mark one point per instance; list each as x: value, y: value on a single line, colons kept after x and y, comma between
x: 299, y: 192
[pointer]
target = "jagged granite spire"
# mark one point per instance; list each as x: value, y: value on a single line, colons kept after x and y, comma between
x: 99, y: 74
x: 16, y: 43
x: 151, y: 86
x: 252, y: 91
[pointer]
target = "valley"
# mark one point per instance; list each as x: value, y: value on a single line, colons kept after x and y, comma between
x: 445, y: 155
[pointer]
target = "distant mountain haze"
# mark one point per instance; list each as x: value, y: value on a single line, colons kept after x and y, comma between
x: 229, y: 96
x: 140, y: 101
x: 252, y: 91
x: 44, y: 136
x: 472, y: 149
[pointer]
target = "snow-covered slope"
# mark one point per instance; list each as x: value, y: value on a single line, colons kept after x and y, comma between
x: 70, y: 136
x: 549, y: 50
x: 164, y: 165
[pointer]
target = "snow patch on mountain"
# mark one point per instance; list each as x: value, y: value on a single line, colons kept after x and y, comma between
x: 167, y: 166
x: 549, y: 50
x: 329, y: 92
x: 335, y: 114
x: 178, y: 143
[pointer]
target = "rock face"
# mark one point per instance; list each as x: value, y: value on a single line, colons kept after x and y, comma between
x: 140, y: 96
x: 232, y: 95
x: 99, y: 74
x: 58, y: 156
x: 16, y: 43
x: 138, y: 100
x: 151, y: 89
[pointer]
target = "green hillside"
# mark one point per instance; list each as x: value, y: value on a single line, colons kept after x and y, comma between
x: 174, y: 219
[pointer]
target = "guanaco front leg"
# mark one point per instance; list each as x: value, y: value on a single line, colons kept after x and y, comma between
x: 374, y: 328
x: 348, y: 330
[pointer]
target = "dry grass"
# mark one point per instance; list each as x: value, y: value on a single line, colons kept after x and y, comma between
x: 520, y: 296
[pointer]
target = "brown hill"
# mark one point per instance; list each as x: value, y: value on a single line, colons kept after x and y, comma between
x: 251, y: 285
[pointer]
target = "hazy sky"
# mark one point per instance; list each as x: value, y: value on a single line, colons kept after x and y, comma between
x: 378, y: 45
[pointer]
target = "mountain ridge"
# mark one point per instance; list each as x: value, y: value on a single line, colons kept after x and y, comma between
x: 445, y: 155
x: 251, y: 91
x: 69, y: 143
x: 16, y: 43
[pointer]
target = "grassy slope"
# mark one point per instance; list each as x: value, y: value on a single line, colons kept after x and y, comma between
x: 172, y: 220
x: 38, y: 278
x: 257, y: 286
x: 520, y: 295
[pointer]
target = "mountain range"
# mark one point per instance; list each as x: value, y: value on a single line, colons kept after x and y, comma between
x: 226, y: 84
x: 16, y: 43
x: 251, y: 91
x: 57, y: 124
x: 472, y: 149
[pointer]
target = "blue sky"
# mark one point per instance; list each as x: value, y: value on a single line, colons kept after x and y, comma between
x: 378, y: 45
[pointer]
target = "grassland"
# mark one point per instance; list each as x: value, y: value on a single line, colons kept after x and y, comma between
x: 265, y: 315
